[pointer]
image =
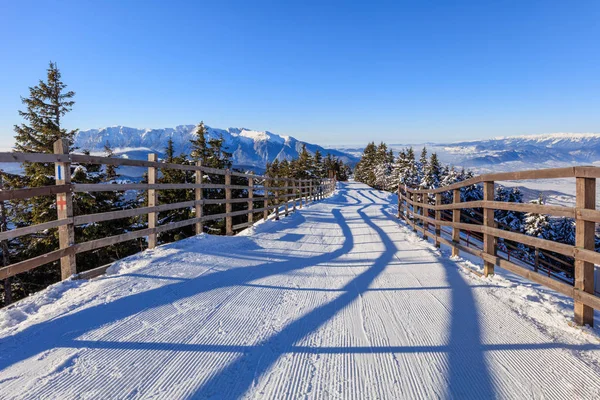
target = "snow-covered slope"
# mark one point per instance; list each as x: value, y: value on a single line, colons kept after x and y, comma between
x: 250, y: 148
x: 336, y: 301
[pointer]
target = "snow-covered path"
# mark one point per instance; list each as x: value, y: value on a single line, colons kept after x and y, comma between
x: 335, y: 301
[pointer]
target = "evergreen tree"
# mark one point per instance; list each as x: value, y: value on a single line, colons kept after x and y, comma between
x: 199, y: 151
x: 563, y: 230
x: 47, y: 104
x: 537, y: 225
x: 171, y: 196
x: 411, y: 174
x: 111, y: 171
x: 432, y: 173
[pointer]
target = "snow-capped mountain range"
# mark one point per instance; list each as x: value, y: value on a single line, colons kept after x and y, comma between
x: 512, y: 153
x: 549, y: 149
x: 251, y: 149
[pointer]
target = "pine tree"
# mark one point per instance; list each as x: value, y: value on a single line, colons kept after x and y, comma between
x: 111, y: 171
x: 47, y: 104
x: 563, y: 231
x: 432, y: 173
x: 411, y: 174
x: 318, y: 165
x: 172, y: 196
x: 537, y: 225
x: 199, y: 151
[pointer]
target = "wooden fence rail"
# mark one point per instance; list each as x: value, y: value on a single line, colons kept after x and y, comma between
x: 412, y: 202
x: 271, y: 192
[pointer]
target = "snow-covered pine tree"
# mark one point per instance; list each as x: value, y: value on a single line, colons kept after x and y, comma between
x: 410, y: 178
x: 450, y: 177
x: 398, y: 170
x: 432, y: 173
x: 563, y: 230
x: 422, y: 165
x: 382, y: 167
x: 365, y: 169
x: 317, y: 166
x: 537, y: 225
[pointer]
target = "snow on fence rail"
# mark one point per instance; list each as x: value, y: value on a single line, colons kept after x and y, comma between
x: 276, y: 193
x: 412, y: 203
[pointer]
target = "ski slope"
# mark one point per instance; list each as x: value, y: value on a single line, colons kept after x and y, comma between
x: 335, y: 301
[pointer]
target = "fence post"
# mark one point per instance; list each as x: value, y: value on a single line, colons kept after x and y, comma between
x: 266, y: 198
x: 488, y: 222
x: 152, y: 201
x: 310, y: 191
x: 584, y: 239
x: 300, y: 193
x: 294, y: 194
x: 250, y: 199
x: 64, y: 207
x: 228, y: 205
x: 413, y: 199
x: 286, y: 192
x: 455, y: 220
x: 438, y: 217
x: 276, y: 186
x: 199, y: 207
x: 399, y: 202
x: 422, y: 211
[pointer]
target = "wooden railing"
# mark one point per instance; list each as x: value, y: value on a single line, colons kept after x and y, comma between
x: 413, y: 202
x: 276, y: 194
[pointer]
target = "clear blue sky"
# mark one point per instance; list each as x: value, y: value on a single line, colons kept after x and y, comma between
x: 323, y: 71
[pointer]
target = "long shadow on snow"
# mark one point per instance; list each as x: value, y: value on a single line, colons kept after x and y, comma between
x: 464, y: 366
x: 63, y: 330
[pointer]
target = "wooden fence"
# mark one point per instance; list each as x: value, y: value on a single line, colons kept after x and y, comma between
x: 275, y: 194
x: 412, y: 203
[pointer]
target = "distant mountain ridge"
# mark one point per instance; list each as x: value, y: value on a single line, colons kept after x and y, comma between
x: 250, y: 149
x: 544, y: 149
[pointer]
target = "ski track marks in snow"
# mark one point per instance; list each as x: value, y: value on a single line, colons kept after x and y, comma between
x: 335, y: 301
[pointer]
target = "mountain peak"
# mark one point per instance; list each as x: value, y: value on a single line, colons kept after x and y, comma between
x: 249, y: 148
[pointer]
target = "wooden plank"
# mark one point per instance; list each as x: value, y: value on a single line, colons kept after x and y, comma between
x: 27, y: 230
x: 488, y: 221
x: 16, y: 194
x: 584, y: 239
x: 26, y: 265
x: 242, y: 225
x: 99, y: 187
x: 110, y: 240
x: 93, y: 273
x: 64, y: 208
x: 152, y: 201
x: 111, y: 215
x: 7, y: 157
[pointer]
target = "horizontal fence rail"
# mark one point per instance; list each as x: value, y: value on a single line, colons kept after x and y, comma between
x: 273, y: 193
x: 425, y: 211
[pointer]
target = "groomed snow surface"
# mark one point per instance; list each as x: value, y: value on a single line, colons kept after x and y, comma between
x: 335, y: 301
